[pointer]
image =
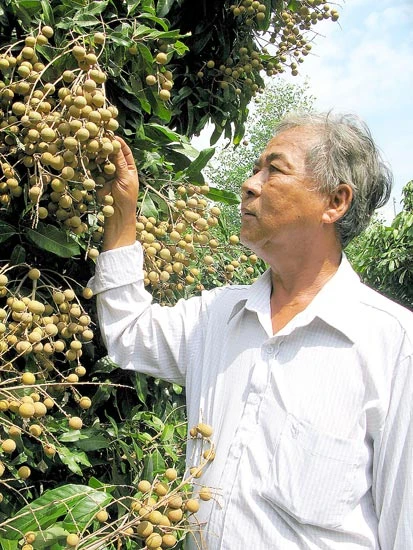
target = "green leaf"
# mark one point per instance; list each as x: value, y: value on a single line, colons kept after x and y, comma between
x: 45, y: 510
x: 163, y: 7
x: 18, y: 256
x: 194, y: 169
x: 221, y: 195
x: 72, y: 459
x: 6, y: 231
x: 148, y: 207
x: 8, y: 544
x: 93, y: 443
x: 52, y: 239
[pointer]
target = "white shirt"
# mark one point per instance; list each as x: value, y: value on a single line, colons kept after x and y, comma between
x: 312, y: 425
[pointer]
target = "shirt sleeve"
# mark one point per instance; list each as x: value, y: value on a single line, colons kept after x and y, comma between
x: 139, y: 335
x: 393, y: 479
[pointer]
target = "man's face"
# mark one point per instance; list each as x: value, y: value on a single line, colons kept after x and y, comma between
x: 279, y: 206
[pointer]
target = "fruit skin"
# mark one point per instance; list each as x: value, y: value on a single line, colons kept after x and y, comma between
x: 8, y: 446
x: 102, y: 516
x: 72, y: 539
x: 24, y: 472
x: 204, y: 429
x: 75, y: 423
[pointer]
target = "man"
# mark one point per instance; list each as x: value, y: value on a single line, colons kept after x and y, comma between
x: 307, y: 375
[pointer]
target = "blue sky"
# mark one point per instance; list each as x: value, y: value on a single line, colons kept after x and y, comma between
x: 364, y: 64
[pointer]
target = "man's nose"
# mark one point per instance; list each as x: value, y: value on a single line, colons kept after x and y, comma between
x: 252, y: 186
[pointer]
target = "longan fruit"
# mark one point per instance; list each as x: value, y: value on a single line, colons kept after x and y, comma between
x: 72, y: 539
x: 102, y: 516
x: 24, y: 472
x: 154, y: 541
x: 49, y: 450
x: 205, y: 493
x: 144, y: 486
x: 144, y: 529
x: 171, y: 474
x: 75, y: 423
x: 8, y: 446
x: 204, y: 429
x: 26, y: 410
x: 28, y: 378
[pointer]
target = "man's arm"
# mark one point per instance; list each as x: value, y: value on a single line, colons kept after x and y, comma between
x: 393, y: 475
x: 159, y: 341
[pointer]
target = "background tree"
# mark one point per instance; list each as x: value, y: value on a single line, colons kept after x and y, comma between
x: 79, y: 439
x: 383, y: 254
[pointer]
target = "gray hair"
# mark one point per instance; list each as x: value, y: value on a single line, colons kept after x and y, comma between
x: 345, y: 153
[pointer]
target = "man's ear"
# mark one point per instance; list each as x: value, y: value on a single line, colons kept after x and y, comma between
x: 338, y: 203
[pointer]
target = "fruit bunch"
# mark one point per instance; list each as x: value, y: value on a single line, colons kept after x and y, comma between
x: 182, y: 251
x: 43, y: 331
x: 56, y: 131
x: 153, y: 514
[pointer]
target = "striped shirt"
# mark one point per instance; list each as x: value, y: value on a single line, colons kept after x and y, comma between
x: 312, y: 425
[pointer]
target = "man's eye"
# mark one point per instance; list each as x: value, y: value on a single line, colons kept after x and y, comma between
x: 273, y: 168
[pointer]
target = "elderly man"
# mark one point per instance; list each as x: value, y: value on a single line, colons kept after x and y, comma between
x: 306, y: 375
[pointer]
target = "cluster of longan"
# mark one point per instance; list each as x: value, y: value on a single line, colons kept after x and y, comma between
x: 290, y: 28
x: 56, y: 131
x: 160, y: 513
x: 180, y: 251
x: 42, y: 332
x: 163, y: 79
x: 286, y: 33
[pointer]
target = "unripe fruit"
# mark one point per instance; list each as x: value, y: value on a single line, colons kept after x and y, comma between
x: 151, y: 80
x: 30, y: 537
x: 165, y: 95
x: 47, y: 31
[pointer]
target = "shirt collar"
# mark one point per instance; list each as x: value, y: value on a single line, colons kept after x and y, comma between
x: 334, y: 303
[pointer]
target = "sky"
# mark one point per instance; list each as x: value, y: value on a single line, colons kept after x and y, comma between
x: 363, y: 64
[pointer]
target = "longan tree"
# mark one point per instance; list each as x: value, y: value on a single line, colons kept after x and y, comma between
x: 90, y: 456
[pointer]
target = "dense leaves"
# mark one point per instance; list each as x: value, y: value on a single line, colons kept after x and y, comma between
x: 383, y: 254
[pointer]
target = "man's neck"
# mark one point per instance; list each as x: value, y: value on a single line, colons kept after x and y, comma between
x: 295, y: 282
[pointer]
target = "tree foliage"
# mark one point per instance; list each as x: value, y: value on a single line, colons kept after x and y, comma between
x: 383, y: 254
x: 76, y: 433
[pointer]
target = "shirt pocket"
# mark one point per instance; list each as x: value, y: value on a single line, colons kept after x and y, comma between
x: 315, y: 477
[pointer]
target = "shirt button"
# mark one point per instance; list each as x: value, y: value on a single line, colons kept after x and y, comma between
x: 270, y: 350
x: 294, y: 431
